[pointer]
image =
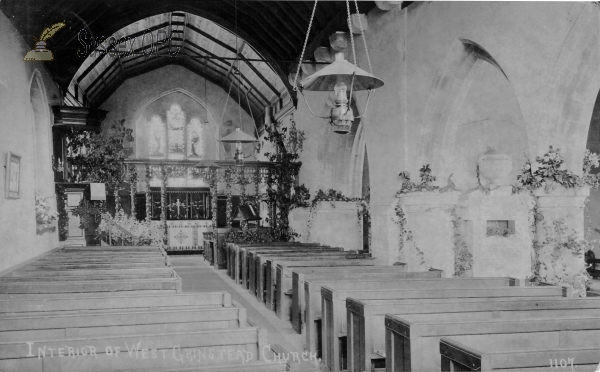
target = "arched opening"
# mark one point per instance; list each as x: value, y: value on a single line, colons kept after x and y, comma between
x: 42, y: 134
x: 592, y: 213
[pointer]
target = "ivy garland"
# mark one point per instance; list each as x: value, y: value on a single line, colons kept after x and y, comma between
x: 406, y: 234
x: 256, y: 180
x: 425, y: 185
x: 228, y: 174
x: 163, y: 200
x: 463, y: 259
x: 212, y: 181
x: 148, y: 197
x: 242, y: 181
x: 133, y: 175
x: 63, y: 216
x: 302, y: 195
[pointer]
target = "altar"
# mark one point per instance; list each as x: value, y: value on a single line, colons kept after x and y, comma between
x: 187, y: 235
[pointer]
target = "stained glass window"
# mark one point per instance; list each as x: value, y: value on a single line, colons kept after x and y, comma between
x: 157, y: 138
x: 176, y: 127
x: 195, y: 139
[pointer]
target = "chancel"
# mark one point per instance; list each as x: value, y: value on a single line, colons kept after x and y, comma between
x: 244, y: 185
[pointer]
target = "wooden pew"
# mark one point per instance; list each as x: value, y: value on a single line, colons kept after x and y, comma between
x: 234, y: 265
x: 165, y: 350
x: 115, y: 322
x: 172, y: 285
x: 249, y: 266
x: 366, y: 330
x: 83, y: 266
x: 415, y: 346
x: 247, y: 255
x: 330, y: 274
x: 281, y: 303
x: 11, y: 305
x: 333, y: 322
x: 157, y: 272
x: 488, y: 356
x: 266, y: 264
x: 314, y: 304
x: 267, y: 366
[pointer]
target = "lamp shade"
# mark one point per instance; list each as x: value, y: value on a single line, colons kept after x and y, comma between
x: 238, y: 136
x: 340, y: 71
x: 207, y: 164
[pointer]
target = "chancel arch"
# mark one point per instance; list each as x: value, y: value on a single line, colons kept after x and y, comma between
x: 42, y: 134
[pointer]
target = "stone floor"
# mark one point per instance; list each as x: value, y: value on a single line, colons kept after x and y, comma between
x: 198, y: 276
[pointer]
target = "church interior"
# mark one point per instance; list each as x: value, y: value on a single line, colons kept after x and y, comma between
x: 245, y: 185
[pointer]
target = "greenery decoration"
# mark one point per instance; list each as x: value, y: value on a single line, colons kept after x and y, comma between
x: 406, y: 234
x: 163, y: 199
x: 245, y: 236
x: 242, y: 181
x: 288, y: 144
x: 228, y: 174
x: 559, y: 243
x: 148, y: 197
x: 99, y: 155
x: 147, y: 232
x: 133, y: 175
x: 548, y: 173
x: 63, y: 216
x: 425, y: 185
x: 212, y: 181
x: 44, y: 218
x: 491, y: 231
x: 463, y: 259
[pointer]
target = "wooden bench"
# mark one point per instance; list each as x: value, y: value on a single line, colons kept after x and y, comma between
x: 266, y: 264
x: 233, y: 254
x: 268, y: 366
x: 334, y: 316
x: 331, y: 274
x: 414, y: 345
x: 156, y: 272
x: 249, y: 266
x: 102, y: 266
x: 25, y: 285
x: 247, y: 255
x: 115, y: 322
x: 13, y: 306
x: 281, y: 303
x: 174, y: 349
x: 488, y: 356
x: 366, y: 330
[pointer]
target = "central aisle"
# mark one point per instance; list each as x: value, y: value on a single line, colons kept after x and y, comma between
x: 198, y: 276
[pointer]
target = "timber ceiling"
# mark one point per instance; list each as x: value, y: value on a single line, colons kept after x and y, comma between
x: 273, y: 31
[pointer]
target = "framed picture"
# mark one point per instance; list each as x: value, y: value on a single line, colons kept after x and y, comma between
x: 13, y: 176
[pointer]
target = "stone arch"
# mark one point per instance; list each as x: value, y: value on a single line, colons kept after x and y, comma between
x: 213, y: 119
x: 42, y: 135
x: 358, y: 160
x: 450, y: 88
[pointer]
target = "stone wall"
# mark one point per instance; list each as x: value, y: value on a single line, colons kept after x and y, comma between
x: 26, y: 91
x: 460, y: 78
x: 175, y: 84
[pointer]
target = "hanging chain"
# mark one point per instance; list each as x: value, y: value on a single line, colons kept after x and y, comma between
x: 312, y: 16
x: 362, y: 32
x: 351, y: 34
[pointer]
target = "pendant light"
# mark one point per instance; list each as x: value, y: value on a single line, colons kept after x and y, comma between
x: 238, y: 137
x: 338, y: 77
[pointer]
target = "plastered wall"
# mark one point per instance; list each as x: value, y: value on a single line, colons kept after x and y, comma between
x: 20, y: 134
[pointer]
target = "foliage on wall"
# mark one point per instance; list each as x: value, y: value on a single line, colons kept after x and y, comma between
x: 463, y: 258
x: 406, y: 235
x: 99, y: 156
x: 228, y: 175
x: 245, y: 235
x: 63, y: 216
x: 425, y: 185
x: 282, y: 177
x: 44, y: 217
x: 331, y: 196
x: 548, y: 173
x: 559, y: 258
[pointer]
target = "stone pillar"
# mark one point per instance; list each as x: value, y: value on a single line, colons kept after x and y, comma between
x: 428, y: 236
x: 559, y: 235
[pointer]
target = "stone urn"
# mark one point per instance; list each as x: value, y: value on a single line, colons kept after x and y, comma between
x: 495, y: 166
